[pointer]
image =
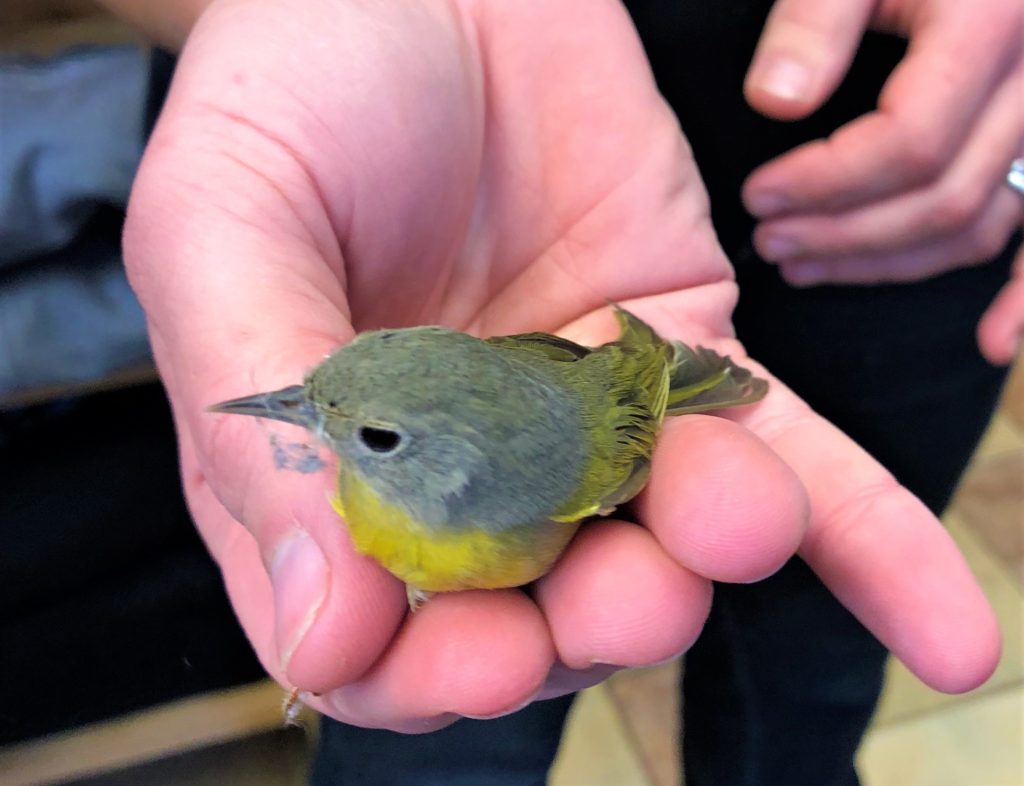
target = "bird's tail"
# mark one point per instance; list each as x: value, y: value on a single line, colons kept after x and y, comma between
x: 701, y: 380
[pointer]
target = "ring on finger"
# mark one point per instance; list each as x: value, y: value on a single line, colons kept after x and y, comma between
x: 1015, y: 177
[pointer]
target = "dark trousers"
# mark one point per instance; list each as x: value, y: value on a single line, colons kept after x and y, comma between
x: 783, y: 681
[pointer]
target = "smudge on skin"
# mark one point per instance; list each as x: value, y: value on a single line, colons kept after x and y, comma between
x: 296, y: 456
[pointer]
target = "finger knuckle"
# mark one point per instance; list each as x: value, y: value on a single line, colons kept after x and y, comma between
x: 921, y: 152
x: 841, y: 528
x: 958, y: 208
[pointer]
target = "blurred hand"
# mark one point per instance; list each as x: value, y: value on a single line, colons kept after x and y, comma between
x: 1001, y: 327
x: 917, y: 186
x: 325, y: 167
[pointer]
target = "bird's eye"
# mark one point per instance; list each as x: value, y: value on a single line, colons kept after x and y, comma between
x: 380, y: 440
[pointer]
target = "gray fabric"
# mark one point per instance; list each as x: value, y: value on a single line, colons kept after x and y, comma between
x: 70, y: 141
x: 63, y: 324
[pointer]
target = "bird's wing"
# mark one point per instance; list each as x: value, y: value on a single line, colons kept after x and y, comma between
x: 551, y: 347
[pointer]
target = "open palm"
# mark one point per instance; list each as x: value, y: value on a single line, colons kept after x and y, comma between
x: 322, y: 168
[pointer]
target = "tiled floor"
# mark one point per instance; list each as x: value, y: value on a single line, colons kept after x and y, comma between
x: 624, y: 733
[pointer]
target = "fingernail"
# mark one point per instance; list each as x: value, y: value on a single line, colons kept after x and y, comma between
x: 298, y: 573
x: 775, y: 247
x: 768, y: 203
x: 785, y: 78
x: 806, y: 273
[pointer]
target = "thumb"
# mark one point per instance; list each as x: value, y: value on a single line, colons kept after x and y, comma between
x: 805, y: 49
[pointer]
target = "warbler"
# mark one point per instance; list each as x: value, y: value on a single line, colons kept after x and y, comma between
x: 470, y: 463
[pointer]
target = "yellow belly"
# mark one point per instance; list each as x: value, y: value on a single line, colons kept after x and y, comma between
x: 467, y: 558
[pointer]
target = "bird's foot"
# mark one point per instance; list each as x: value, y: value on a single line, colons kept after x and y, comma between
x: 416, y: 597
x: 292, y: 706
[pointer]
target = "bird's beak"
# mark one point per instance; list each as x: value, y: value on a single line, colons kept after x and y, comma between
x: 289, y: 405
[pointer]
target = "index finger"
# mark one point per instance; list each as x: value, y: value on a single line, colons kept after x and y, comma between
x: 925, y: 111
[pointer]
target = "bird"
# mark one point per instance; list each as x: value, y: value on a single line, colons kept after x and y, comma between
x: 469, y: 463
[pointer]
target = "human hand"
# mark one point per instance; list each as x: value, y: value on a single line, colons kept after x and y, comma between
x: 917, y: 186
x: 325, y: 167
x: 1002, y: 325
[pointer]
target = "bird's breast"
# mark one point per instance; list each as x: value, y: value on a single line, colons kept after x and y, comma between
x: 446, y: 559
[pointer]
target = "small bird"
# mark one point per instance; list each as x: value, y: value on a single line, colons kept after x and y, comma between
x: 467, y: 463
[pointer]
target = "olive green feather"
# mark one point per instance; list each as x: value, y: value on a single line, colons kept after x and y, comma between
x: 701, y: 379
x: 627, y: 387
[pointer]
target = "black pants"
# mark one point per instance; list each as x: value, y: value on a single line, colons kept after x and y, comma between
x: 782, y: 682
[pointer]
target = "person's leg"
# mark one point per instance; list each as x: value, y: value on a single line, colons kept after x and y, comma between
x: 779, y: 688
x: 516, y: 750
x: 783, y: 680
